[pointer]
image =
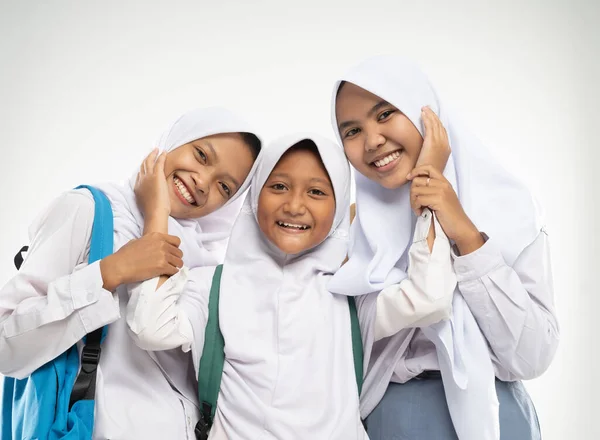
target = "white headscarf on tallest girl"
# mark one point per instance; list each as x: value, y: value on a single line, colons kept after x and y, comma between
x: 381, y: 236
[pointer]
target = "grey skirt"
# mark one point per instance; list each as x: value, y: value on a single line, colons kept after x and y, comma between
x: 417, y: 410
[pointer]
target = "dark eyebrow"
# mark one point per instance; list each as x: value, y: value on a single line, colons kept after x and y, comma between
x: 325, y: 182
x: 377, y: 107
x: 370, y: 113
x: 206, y: 143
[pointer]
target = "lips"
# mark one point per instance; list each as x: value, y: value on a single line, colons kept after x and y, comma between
x: 183, y: 192
x: 292, y: 227
x: 380, y: 163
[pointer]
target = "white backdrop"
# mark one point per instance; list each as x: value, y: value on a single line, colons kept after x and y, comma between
x: 87, y: 87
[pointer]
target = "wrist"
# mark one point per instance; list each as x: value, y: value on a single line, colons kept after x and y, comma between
x: 469, y: 241
x: 156, y: 222
x: 111, y: 273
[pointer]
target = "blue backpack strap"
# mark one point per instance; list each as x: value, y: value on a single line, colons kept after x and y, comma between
x: 101, y: 246
x: 41, y: 405
x: 212, y: 360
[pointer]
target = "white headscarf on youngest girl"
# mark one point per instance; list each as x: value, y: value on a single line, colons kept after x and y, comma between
x: 289, y: 371
x: 381, y: 236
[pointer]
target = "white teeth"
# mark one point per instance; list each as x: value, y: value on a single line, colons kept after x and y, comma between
x: 183, y: 190
x: 389, y: 158
x: 293, y: 226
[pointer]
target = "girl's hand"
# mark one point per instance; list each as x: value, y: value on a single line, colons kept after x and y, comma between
x: 430, y: 189
x: 152, y: 191
x: 151, y: 256
x: 436, y: 147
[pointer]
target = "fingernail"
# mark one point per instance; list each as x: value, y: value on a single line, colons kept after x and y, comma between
x: 408, y: 176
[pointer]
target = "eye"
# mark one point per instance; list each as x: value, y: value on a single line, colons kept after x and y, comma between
x: 278, y: 187
x: 201, y: 154
x: 316, y: 192
x: 386, y: 114
x: 226, y: 189
x: 352, y: 132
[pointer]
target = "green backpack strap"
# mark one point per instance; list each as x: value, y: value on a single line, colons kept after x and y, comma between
x: 357, y: 347
x: 211, y: 361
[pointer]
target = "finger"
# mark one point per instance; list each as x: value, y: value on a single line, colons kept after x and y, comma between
x: 425, y: 181
x: 415, y: 205
x: 425, y: 170
x: 174, y: 250
x: 431, y: 201
x: 436, y: 123
x: 169, y: 269
x: 423, y: 191
x: 427, y: 123
x: 159, y: 166
x: 172, y: 239
x: 150, y: 160
x: 175, y: 261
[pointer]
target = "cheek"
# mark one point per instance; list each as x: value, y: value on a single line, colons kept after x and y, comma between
x: 354, y: 153
x: 263, y: 211
x: 326, y: 215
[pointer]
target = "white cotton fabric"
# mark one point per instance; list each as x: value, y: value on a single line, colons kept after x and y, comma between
x: 494, y: 200
x: 203, y: 240
x: 289, y: 371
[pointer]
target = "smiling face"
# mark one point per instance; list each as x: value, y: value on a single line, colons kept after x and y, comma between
x: 379, y: 140
x: 204, y: 174
x: 296, y: 206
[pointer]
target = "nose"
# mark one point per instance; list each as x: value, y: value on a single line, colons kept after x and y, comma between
x: 294, y: 205
x: 373, y: 140
x: 202, y: 187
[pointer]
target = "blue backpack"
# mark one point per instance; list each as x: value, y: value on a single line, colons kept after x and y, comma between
x: 57, y: 400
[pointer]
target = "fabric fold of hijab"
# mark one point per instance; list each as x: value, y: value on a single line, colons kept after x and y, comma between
x: 203, y: 240
x: 381, y: 235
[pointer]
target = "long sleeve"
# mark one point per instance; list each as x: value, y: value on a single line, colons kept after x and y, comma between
x: 514, y: 306
x: 56, y: 298
x: 425, y: 296
x: 174, y: 315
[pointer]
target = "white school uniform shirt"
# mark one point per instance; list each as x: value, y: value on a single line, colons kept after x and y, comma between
x: 57, y: 298
x: 289, y: 371
x: 502, y: 313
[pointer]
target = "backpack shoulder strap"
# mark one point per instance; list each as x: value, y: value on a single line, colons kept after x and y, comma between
x: 211, y: 361
x: 357, y: 347
x: 101, y: 246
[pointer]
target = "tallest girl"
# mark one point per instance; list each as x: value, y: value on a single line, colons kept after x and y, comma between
x: 458, y: 378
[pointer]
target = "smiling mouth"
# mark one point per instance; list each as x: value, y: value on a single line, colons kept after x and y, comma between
x: 182, y: 191
x: 387, y: 161
x: 292, y: 227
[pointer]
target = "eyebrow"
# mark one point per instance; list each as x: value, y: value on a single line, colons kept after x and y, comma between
x: 325, y: 182
x: 314, y: 179
x: 370, y: 113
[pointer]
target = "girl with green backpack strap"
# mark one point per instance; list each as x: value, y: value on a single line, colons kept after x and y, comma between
x: 279, y: 356
x: 61, y: 294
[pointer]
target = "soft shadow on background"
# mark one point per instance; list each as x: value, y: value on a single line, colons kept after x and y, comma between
x: 86, y: 88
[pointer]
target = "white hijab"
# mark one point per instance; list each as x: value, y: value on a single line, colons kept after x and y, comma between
x: 380, y: 238
x: 203, y: 240
x: 289, y: 369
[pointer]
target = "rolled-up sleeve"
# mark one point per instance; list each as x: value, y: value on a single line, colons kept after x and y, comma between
x: 514, y: 306
x: 425, y: 296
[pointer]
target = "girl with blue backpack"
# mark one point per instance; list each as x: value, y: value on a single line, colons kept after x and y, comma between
x: 71, y: 284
